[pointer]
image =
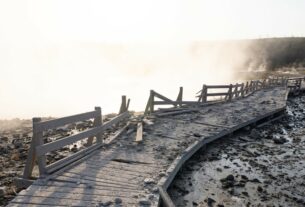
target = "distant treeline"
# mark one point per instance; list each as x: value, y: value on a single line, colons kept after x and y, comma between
x: 276, y: 53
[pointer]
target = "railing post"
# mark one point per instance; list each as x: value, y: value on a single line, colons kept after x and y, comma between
x: 30, y: 162
x: 123, y: 105
x: 242, y: 90
x: 230, y: 92
x: 204, y: 94
x: 179, y: 97
x: 38, y: 139
x: 127, y: 105
x: 98, y: 122
x: 247, y: 87
x: 152, y: 101
x: 235, y: 91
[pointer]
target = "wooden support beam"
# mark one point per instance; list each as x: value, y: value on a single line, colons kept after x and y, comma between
x: 149, y: 103
x: 30, y: 162
x: 176, y: 112
x: 152, y: 94
x: 139, y: 136
x: 242, y: 89
x: 127, y: 106
x: 96, y: 123
x: 204, y: 94
x: 235, y: 93
x: 247, y: 87
x: 179, y: 97
x: 38, y: 137
x: 158, y: 95
x: 123, y: 105
x: 230, y: 92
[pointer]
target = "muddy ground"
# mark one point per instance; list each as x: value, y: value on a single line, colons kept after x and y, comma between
x: 255, y: 167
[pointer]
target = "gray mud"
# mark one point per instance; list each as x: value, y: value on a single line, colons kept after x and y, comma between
x: 255, y: 167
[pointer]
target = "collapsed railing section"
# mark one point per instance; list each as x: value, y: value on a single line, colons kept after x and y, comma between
x: 39, y: 148
x: 214, y: 93
x: 295, y: 84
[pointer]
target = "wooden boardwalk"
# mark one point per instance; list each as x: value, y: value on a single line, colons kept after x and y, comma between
x: 128, y: 173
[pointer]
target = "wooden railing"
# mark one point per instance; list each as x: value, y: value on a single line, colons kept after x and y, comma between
x: 214, y: 93
x: 39, y: 149
x: 295, y: 84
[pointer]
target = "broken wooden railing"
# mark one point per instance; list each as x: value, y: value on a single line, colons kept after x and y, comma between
x: 152, y: 102
x: 214, y: 93
x: 295, y: 84
x: 39, y: 149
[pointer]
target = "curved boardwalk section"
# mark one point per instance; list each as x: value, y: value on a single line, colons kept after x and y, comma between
x: 128, y: 173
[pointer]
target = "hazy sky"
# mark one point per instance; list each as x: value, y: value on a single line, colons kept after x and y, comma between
x: 41, y: 21
x: 66, y: 56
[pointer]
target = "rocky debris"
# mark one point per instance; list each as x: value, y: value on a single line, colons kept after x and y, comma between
x: 279, y: 139
x: 144, y: 202
x: 210, y: 201
x: 228, y: 181
x: 259, y: 167
x: 148, y: 181
x: 105, y: 204
x: 118, y: 200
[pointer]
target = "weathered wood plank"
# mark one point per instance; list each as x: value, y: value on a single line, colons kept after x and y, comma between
x: 113, y: 167
x: 63, y: 178
x: 101, y: 179
x: 217, y: 86
x: 82, y: 186
x: 61, y: 199
x: 112, y: 171
x: 158, y: 95
x: 139, y: 136
x: 52, y: 124
x: 217, y: 94
x: 86, y: 190
x: 175, y: 113
x: 40, y: 150
x: 55, y: 145
x: 67, y: 160
x: 108, y: 175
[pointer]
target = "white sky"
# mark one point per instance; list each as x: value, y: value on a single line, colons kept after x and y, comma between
x: 44, y: 21
x: 52, y: 61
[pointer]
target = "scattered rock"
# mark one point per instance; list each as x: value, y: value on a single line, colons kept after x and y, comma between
x: 148, y: 181
x: 117, y: 200
x: 259, y: 189
x: 228, y: 181
x: 279, y: 139
x: 144, y: 202
x: 104, y: 204
x: 210, y: 201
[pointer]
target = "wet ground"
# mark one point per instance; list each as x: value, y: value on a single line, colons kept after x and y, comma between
x: 263, y: 166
